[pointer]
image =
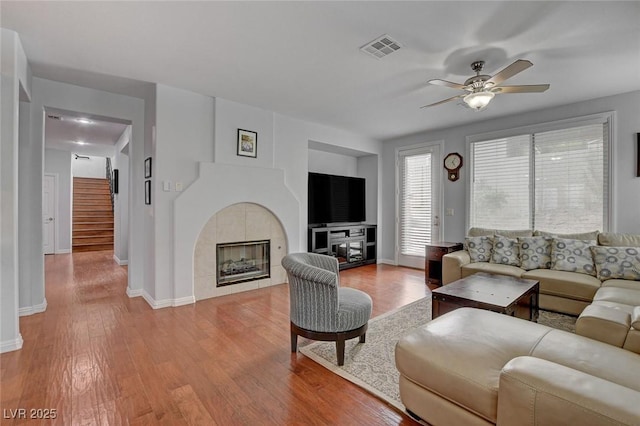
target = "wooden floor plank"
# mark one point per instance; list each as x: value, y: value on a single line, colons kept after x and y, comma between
x: 99, y: 357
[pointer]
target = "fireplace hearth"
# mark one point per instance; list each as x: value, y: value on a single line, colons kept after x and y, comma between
x: 242, y: 261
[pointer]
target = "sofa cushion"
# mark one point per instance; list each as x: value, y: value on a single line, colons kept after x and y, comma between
x: 479, y: 248
x: 625, y: 296
x: 590, y: 356
x: 505, y: 251
x: 491, y: 268
x: 572, y: 256
x: 535, y: 252
x: 565, y: 284
x: 460, y: 355
x: 488, y: 232
x: 635, y: 318
x: 617, y: 262
x: 634, y: 285
x: 592, y: 235
x: 620, y: 240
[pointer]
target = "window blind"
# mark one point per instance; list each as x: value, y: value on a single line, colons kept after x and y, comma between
x: 500, y: 183
x: 570, y: 183
x: 555, y: 181
x: 416, y: 194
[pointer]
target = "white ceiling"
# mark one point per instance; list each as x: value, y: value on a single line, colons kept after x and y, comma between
x: 64, y: 129
x: 302, y: 58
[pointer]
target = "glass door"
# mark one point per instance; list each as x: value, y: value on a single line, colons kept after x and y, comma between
x: 418, y: 203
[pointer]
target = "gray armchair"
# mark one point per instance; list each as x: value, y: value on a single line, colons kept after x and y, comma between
x: 319, y: 308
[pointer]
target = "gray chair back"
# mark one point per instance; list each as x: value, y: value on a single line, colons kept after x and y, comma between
x: 313, y: 290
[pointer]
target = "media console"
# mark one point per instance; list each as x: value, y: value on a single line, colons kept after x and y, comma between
x: 352, y: 245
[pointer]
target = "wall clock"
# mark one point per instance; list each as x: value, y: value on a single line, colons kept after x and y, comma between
x: 453, y: 163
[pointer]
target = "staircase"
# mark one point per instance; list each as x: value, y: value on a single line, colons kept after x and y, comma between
x: 92, y: 215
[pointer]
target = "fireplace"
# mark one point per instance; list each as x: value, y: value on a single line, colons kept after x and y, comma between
x: 242, y: 261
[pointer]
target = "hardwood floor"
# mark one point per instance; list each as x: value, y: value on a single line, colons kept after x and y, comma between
x: 98, y: 357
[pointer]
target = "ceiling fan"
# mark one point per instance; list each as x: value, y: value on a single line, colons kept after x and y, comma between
x: 480, y: 89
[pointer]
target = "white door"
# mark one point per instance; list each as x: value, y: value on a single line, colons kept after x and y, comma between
x: 48, y: 214
x: 418, y: 203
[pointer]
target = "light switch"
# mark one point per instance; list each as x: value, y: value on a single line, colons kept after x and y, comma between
x: 449, y: 212
x: 178, y: 186
x: 166, y: 185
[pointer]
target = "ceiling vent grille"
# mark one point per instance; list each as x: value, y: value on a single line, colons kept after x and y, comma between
x: 381, y: 47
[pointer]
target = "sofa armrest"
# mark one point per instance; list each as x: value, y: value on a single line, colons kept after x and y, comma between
x: 451, y: 264
x: 534, y: 391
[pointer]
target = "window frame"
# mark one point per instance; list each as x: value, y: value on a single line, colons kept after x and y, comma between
x: 604, y: 118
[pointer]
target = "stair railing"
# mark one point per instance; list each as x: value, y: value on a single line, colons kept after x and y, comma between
x: 111, y: 184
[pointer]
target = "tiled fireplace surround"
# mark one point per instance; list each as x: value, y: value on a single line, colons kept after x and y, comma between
x: 237, y: 223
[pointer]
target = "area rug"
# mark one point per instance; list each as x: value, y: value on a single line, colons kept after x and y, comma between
x: 372, y: 365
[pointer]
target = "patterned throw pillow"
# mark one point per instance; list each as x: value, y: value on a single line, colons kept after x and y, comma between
x: 572, y: 256
x: 505, y: 251
x: 479, y: 248
x: 617, y: 262
x: 535, y: 252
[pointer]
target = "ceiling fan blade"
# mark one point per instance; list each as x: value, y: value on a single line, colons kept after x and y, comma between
x: 513, y: 69
x: 444, y: 101
x: 446, y: 83
x: 533, y: 88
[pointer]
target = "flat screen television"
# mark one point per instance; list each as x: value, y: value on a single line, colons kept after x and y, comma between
x: 336, y: 199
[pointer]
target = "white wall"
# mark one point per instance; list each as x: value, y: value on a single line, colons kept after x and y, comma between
x: 59, y: 162
x: 120, y: 161
x: 626, y: 202
x: 15, y: 85
x: 92, y: 167
x: 332, y: 164
x: 231, y: 116
x: 184, y: 137
x: 368, y: 168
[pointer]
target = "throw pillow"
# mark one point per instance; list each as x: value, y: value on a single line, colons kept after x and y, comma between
x: 479, y: 248
x: 505, y: 251
x: 617, y: 262
x: 572, y: 256
x: 535, y: 252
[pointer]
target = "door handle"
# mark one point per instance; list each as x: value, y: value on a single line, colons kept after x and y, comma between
x: 49, y: 219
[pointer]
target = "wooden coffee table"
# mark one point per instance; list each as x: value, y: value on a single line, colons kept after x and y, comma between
x: 499, y: 293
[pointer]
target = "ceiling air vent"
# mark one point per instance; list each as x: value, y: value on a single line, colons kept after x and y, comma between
x: 54, y: 117
x: 381, y: 47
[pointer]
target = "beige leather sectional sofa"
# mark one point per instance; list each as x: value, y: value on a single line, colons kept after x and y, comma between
x: 560, y: 291
x: 475, y: 367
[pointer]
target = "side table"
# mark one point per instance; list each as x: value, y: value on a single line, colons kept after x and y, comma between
x: 433, y: 260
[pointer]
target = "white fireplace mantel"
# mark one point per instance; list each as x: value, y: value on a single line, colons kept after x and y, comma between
x: 219, y: 186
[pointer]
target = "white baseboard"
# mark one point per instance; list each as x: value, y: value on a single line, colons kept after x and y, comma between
x: 134, y: 293
x: 62, y: 251
x: 120, y: 262
x: 31, y: 310
x: 11, y: 345
x: 388, y: 262
x: 184, y: 301
x: 167, y: 303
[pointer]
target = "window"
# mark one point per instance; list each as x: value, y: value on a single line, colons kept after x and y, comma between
x: 554, y: 179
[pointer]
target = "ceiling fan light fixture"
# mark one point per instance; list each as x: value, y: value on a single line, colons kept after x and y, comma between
x: 478, y: 100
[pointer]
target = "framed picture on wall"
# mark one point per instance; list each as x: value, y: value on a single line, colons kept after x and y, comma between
x: 247, y: 143
x: 638, y: 155
x: 147, y: 167
x: 147, y: 192
x: 115, y: 181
